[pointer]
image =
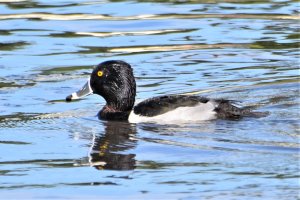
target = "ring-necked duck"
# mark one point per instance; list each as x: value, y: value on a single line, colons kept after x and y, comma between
x: 114, y: 81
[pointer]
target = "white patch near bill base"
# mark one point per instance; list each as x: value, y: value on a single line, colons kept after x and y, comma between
x: 74, y: 95
x: 200, y: 112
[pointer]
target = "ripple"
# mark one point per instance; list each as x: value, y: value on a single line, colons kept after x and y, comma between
x: 118, y: 33
x: 14, y: 142
x: 9, y: 46
x: 274, y: 45
x: 158, y: 48
x: 64, y: 17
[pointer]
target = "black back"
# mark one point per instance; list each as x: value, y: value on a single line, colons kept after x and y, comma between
x: 162, y: 104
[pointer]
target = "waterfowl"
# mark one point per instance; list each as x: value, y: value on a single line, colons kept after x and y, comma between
x: 115, y: 82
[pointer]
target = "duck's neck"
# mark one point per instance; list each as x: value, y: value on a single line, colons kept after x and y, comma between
x: 117, y: 108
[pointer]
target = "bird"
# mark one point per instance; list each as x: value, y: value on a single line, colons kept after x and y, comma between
x: 115, y: 82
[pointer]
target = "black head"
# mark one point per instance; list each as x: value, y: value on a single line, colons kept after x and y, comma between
x: 114, y: 81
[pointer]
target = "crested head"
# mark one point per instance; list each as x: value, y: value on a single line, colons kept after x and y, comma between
x: 114, y: 81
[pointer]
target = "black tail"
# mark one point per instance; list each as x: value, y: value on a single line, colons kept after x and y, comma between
x: 226, y: 110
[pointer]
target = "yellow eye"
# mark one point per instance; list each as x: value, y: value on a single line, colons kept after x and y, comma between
x: 100, y: 73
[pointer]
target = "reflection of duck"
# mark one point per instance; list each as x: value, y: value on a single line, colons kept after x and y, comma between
x: 114, y: 81
x: 108, y: 150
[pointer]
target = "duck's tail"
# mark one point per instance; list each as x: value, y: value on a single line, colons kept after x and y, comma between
x: 225, y: 110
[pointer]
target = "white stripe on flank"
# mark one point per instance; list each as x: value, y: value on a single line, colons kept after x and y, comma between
x: 200, y: 112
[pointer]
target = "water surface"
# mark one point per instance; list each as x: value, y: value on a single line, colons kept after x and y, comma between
x: 242, y: 50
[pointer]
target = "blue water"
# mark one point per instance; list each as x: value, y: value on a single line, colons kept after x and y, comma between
x: 241, y: 50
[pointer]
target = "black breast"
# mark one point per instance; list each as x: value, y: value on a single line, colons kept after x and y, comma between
x: 162, y: 104
x: 108, y: 113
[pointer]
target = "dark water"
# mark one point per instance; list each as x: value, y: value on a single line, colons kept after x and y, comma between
x: 242, y: 50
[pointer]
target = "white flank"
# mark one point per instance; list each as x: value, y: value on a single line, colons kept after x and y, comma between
x: 200, y: 112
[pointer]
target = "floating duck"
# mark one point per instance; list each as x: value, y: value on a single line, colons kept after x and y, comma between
x: 115, y: 82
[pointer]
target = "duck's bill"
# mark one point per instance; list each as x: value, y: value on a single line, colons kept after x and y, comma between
x: 84, y: 91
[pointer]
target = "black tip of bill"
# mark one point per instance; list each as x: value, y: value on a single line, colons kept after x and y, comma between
x: 69, y: 98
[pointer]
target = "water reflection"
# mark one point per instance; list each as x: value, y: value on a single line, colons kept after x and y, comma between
x: 108, y: 151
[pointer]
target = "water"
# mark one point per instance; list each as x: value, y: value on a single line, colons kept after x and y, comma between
x: 241, y: 50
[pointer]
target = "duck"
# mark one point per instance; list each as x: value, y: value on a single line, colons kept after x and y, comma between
x: 115, y: 82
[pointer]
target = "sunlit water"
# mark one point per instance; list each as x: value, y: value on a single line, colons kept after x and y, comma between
x: 240, y: 50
